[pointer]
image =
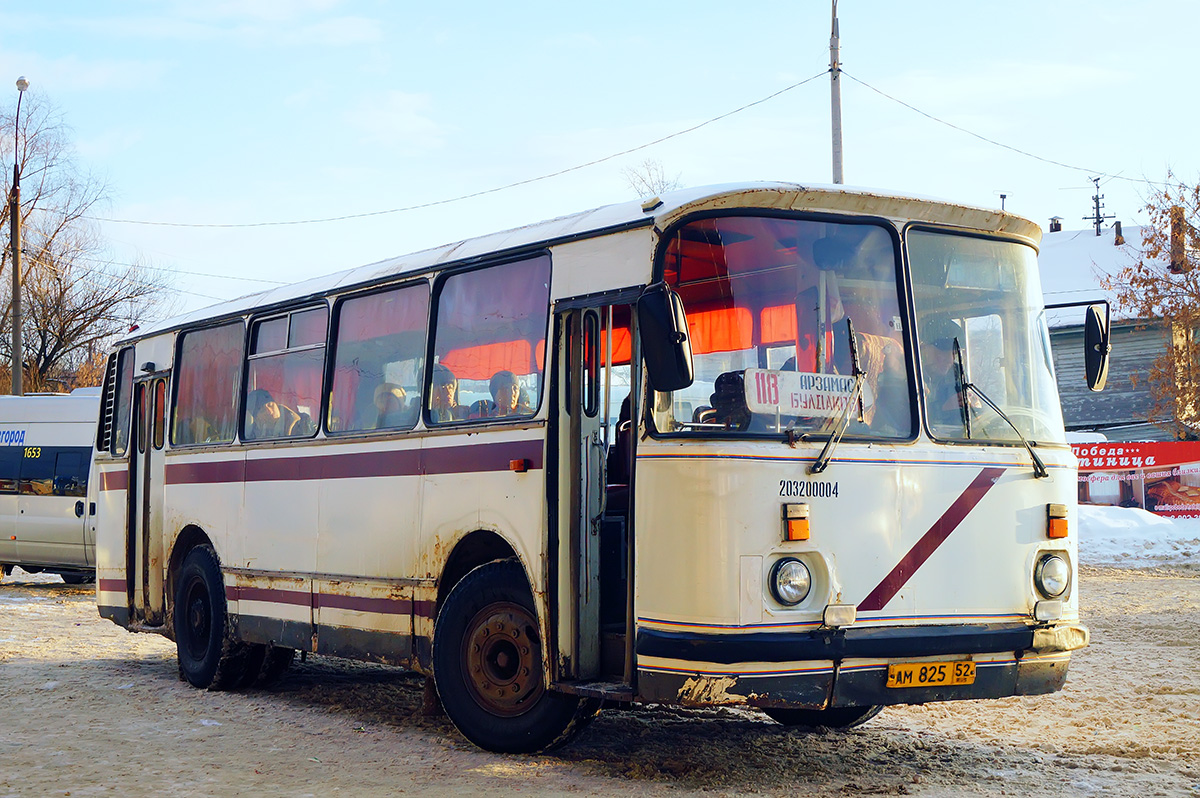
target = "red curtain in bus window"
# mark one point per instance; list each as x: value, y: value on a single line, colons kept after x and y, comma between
x: 721, y: 330
x: 206, y: 385
x: 372, y: 331
x: 494, y: 319
x: 481, y: 362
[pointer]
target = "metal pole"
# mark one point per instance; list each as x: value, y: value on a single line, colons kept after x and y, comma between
x: 835, y: 98
x: 14, y: 216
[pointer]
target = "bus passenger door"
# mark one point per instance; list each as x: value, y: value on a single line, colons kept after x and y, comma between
x: 580, y: 490
x: 144, y: 557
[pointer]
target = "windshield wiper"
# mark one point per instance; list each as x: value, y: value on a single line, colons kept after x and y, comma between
x: 1039, y: 468
x: 855, y: 400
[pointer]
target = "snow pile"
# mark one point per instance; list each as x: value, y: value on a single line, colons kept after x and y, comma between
x: 1133, y: 538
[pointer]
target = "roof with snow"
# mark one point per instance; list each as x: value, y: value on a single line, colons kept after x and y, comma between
x: 1074, y: 262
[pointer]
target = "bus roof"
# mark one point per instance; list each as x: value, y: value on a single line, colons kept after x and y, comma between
x: 626, y: 215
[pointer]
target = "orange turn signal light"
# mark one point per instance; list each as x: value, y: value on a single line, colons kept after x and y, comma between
x: 1056, y: 521
x: 520, y: 466
x: 795, y: 522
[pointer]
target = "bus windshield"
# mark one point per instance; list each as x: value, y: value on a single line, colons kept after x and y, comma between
x: 768, y: 302
x: 986, y: 295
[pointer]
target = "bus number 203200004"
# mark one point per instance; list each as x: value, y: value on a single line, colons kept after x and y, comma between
x: 808, y: 489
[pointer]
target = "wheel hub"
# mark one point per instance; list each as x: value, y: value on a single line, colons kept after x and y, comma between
x: 502, y: 656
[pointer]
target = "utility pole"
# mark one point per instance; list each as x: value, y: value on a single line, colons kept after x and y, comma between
x: 1097, y: 218
x: 835, y: 97
x: 14, y: 217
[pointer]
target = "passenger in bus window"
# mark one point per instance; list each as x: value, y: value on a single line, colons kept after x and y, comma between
x: 268, y: 418
x: 507, y: 397
x: 197, y: 430
x: 391, y: 403
x: 443, y: 397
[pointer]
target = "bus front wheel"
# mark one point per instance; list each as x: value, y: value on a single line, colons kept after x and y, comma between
x: 833, y: 718
x: 209, y: 655
x: 487, y: 665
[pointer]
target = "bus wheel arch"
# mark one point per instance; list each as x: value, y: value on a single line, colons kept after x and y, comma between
x: 188, y: 538
x: 488, y: 665
x: 473, y: 550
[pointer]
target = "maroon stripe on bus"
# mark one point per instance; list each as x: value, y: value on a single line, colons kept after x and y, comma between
x: 484, y: 457
x: 931, y: 540
x: 411, y: 462
x: 387, y: 606
x: 114, y: 480
x: 199, y: 473
x: 425, y: 609
x: 112, y: 585
x: 384, y: 606
x: 243, y: 593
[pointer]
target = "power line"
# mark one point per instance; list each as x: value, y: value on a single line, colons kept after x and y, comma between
x: 484, y: 192
x: 997, y: 143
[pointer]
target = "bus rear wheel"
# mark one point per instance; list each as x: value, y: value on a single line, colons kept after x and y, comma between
x: 487, y: 665
x: 209, y: 654
x: 833, y: 718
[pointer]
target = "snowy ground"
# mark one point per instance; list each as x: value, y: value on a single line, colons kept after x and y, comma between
x: 1133, y: 538
x: 91, y: 710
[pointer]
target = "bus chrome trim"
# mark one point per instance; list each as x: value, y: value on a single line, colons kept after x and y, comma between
x: 336, y: 578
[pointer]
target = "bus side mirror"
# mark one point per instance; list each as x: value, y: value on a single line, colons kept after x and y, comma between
x: 1096, y: 347
x: 666, y: 345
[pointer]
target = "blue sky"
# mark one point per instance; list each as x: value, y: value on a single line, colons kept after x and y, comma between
x: 262, y: 111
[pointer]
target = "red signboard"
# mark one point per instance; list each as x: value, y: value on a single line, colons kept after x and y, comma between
x: 1163, y: 478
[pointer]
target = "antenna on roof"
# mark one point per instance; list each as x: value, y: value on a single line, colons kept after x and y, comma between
x: 1097, y: 218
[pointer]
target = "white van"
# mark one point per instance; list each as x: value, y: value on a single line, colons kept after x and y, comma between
x: 45, y: 454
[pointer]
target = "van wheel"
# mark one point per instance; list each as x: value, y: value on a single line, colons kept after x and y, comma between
x: 487, y: 664
x: 77, y: 577
x: 209, y: 654
x: 833, y: 718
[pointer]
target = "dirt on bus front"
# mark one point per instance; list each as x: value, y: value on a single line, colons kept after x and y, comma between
x: 87, y: 708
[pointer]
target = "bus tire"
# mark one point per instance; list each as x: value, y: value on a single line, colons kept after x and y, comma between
x: 209, y: 654
x: 487, y: 666
x: 832, y: 718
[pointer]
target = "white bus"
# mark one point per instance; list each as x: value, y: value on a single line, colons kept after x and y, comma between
x: 789, y: 447
x: 45, y: 455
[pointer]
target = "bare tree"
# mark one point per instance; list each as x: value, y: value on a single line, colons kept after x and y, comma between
x: 76, y: 298
x: 1165, y: 284
x: 649, y: 178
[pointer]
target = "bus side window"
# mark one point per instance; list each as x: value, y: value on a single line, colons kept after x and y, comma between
x: 378, y: 360
x: 491, y: 336
x: 206, y: 376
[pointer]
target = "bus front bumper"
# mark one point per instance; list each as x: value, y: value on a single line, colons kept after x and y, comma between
x: 849, y: 667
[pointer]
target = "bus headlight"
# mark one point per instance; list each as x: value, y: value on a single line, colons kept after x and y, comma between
x: 790, y: 581
x: 1052, y: 576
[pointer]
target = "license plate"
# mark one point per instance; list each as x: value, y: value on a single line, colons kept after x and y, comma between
x: 930, y: 674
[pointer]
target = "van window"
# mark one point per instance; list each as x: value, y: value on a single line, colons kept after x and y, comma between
x: 71, y: 472
x: 10, y: 468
